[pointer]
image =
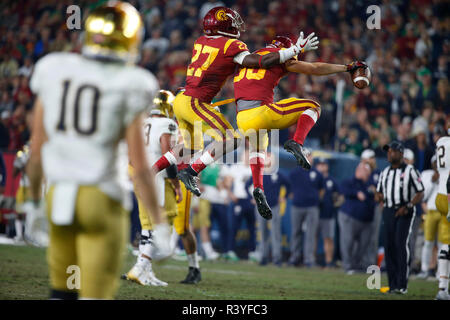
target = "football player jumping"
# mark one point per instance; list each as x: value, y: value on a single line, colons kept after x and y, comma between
x: 442, y: 204
x: 253, y: 89
x: 214, y: 58
x: 85, y: 105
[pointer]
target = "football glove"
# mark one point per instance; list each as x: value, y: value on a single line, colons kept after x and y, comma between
x: 161, y: 249
x: 36, y: 224
x: 309, y: 43
x: 352, y: 67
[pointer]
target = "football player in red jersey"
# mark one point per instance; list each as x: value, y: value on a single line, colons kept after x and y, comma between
x: 257, y: 113
x: 214, y: 58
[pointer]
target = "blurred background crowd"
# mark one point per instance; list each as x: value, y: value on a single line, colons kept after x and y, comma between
x: 407, y: 100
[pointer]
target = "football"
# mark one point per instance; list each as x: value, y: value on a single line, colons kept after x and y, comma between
x: 361, y: 77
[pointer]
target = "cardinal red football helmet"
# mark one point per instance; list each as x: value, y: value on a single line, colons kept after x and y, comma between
x: 223, y: 21
x: 282, y: 42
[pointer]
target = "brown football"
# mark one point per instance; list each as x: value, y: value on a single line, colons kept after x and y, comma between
x: 361, y: 78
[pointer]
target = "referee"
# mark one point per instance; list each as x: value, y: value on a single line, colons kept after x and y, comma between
x: 400, y: 189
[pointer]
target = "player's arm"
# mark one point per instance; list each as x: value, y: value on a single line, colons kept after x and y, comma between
x: 321, y: 68
x: 38, y: 137
x: 165, y: 143
x: 143, y: 175
x: 253, y: 60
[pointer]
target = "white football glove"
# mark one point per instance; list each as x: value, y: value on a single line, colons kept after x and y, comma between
x: 36, y: 224
x: 309, y: 43
x: 161, y: 249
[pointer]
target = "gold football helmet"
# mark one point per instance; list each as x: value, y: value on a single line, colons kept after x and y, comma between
x: 113, y: 31
x: 162, y: 104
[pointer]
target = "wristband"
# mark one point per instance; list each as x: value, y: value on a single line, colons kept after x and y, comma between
x: 287, y: 54
x: 172, y: 171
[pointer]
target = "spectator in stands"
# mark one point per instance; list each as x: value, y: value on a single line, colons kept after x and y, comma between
x: 355, y: 217
x: 371, y: 254
x: 305, y: 209
x: 328, y: 209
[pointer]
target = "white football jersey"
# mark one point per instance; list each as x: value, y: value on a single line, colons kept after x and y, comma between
x: 88, y: 104
x: 154, y: 128
x: 443, y: 162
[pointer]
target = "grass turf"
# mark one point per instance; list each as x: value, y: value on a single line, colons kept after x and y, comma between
x: 24, y: 275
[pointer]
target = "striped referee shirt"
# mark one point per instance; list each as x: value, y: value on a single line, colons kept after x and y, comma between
x: 400, y: 185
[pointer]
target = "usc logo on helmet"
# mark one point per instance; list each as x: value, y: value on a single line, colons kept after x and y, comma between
x: 221, y: 15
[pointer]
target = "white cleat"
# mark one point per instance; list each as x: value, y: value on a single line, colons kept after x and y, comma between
x: 151, y: 280
x: 136, y: 274
x: 161, y: 249
x: 442, y: 295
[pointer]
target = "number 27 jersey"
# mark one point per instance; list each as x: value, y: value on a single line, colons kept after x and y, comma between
x: 211, y: 64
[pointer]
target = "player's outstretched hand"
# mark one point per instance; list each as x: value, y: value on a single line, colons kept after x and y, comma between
x: 311, y: 42
x: 352, y: 67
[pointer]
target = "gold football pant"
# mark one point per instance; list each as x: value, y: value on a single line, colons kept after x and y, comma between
x: 94, y: 242
x: 196, y: 118
x: 279, y: 115
x: 181, y: 221
x: 436, y: 224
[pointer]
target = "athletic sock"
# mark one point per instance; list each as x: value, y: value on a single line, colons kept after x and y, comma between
x: 207, y: 247
x: 165, y: 161
x: 193, y: 261
x: 427, y: 251
x: 443, y: 267
x: 145, y: 247
x: 257, y: 166
x: 304, y: 124
x: 201, y: 163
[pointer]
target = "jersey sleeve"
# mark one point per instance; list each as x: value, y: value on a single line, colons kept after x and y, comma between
x: 416, y: 180
x: 169, y: 126
x: 234, y: 47
x: 42, y: 67
x: 143, y: 86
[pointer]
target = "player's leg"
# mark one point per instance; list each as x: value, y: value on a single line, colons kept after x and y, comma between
x: 184, y: 151
x: 182, y: 227
x: 102, y: 231
x: 258, y: 142
x: 207, y: 120
x: 305, y: 113
x: 444, y: 259
x: 61, y: 255
x: 203, y: 224
x: 430, y: 232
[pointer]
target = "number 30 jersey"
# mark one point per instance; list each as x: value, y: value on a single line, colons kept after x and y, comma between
x: 87, y: 105
x: 211, y: 64
x: 258, y: 84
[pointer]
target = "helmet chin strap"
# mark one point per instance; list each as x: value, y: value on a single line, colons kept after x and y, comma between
x: 230, y: 34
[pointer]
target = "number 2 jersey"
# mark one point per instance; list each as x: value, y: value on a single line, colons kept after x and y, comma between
x: 211, y: 64
x: 443, y: 164
x: 258, y: 84
x: 87, y: 105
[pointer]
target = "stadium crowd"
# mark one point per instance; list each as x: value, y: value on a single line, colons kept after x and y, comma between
x: 408, y: 98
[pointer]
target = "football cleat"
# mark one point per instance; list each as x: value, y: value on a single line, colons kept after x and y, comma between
x: 261, y: 203
x: 299, y: 153
x: 193, y: 277
x: 442, y: 295
x: 189, y: 181
x: 136, y: 274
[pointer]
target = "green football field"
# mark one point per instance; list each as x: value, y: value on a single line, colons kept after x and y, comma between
x: 24, y: 275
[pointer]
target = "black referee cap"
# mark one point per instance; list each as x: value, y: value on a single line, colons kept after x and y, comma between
x: 395, y: 145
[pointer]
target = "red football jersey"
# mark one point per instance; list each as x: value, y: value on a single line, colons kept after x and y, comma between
x: 211, y: 65
x: 258, y: 84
